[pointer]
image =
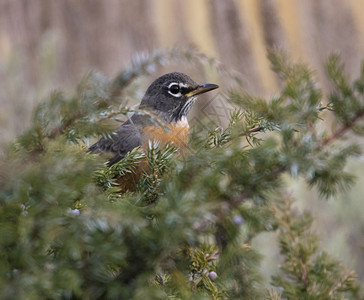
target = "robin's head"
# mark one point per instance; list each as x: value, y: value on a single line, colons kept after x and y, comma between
x: 171, y: 96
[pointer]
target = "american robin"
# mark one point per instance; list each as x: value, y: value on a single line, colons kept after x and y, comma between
x: 163, y: 117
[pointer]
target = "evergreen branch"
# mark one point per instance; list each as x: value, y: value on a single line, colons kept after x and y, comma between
x: 253, y: 130
x: 342, y: 284
x: 237, y: 200
x: 65, y: 125
x: 341, y: 131
x: 305, y: 273
x: 272, y: 295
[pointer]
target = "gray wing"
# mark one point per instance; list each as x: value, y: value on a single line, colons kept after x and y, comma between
x: 125, y: 139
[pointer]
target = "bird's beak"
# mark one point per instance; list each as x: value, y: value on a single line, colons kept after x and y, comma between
x: 202, y: 88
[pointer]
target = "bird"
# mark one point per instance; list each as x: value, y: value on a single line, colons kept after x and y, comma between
x: 161, y: 117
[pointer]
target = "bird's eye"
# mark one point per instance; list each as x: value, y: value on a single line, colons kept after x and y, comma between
x: 174, y: 89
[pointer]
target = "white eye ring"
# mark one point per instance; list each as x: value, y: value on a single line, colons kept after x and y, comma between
x: 179, y: 85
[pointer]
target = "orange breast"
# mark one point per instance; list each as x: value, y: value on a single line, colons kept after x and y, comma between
x: 176, y: 133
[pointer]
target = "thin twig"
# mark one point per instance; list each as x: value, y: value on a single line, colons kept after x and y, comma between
x: 341, y: 131
x: 253, y: 130
x: 62, y: 128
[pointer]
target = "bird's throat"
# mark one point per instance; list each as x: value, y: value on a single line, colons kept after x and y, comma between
x: 183, y: 122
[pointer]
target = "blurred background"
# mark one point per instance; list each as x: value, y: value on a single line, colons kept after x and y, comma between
x: 51, y: 44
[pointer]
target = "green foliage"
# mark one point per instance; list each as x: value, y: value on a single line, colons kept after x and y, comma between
x: 306, y: 272
x: 158, y: 163
x: 106, y: 177
x: 67, y: 232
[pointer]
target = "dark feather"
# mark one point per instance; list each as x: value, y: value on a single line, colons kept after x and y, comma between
x: 125, y: 139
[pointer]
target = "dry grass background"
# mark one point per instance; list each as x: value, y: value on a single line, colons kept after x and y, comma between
x: 48, y: 44
x: 51, y: 44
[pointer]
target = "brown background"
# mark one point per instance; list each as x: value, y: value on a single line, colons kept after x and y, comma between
x: 49, y: 44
